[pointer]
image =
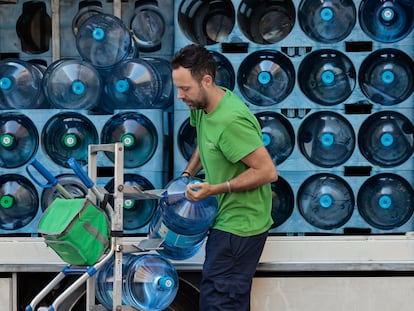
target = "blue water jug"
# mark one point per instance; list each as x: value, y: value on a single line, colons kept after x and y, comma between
x: 67, y: 135
x: 386, y: 138
x: 386, y: 201
x: 386, y: 20
x: 325, y: 201
x: 283, y: 202
x: 150, y: 282
x: 72, y: 84
x: 148, y: 25
x: 104, y: 40
x: 326, y: 139
x: 266, y: 22
x: 327, y: 21
x: 19, y: 139
x: 136, y: 213
x: 183, y: 224
x: 225, y: 75
x: 386, y: 76
x: 278, y: 135
x: 140, y: 83
x: 327, y: 77
x: 19, y: 201
x: 206, y: 22
x: 72, y: 184
x: 266, y: 77
x: 20, y: 85
x: 136, y: 132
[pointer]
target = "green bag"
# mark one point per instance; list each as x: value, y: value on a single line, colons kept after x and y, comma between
x: 76, y: 229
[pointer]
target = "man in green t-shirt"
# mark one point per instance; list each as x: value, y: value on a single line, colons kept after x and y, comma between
x: 238, y: 171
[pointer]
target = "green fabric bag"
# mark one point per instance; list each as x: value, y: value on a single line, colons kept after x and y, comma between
x: 76, y: 229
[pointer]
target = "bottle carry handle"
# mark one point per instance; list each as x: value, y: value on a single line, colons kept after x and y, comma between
x: 80, y: 172
x: 51, y: 180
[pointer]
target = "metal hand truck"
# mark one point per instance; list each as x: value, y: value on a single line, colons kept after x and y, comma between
x: 117, y: 245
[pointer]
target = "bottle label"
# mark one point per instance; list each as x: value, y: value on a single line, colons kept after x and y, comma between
x: 179, y: 240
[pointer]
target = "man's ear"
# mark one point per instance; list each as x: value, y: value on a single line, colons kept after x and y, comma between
x: 207, y: 80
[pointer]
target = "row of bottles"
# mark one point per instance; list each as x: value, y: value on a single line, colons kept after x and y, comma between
x: 271, y: 21
x: 76, y: 84
x: 327, y: 139
x: 65, y: 135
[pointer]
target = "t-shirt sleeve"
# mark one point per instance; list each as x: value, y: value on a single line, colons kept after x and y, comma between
x: 239, y: 139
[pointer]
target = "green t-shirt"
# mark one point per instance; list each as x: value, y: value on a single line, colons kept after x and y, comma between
x: 224, y: 137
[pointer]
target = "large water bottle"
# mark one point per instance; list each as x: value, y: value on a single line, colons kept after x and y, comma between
x: 327, y: 77
x: 150, y: 282
x: 140, y: 83
x: 266, y: 22
x: 225, y: 75
x: 386, y: 20
x: 386, y: 201
x: 266, y: 77
x: 283, y: 202
x: 386, y: 138
x: 187, y: 139
x: 136, y: 132
x: 20, y: 85
x: 104, y: 40
x: 386, y: 76
x: 148, y: 25
x: 72, y: 84
x: 278, y: 135
x: 19, y: 201
x: 67, y: 135
x: 70, y: 182
x: 327, y: 21
x: 19, y: 139
x: 183, y: 224
x: 326, y: 139
x: 326, y: 201
x: 206, y: 22
x: 136, y: 213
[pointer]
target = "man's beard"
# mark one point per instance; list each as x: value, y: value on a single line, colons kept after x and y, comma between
x: 201, y: 102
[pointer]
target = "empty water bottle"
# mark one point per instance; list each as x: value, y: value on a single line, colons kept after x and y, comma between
x: 327, y: 77
x: 283, y: 202
x: 67, y: 135
x: 19, y: 139
x: 225, y: 75
x: 206, y: 22
x: 386, y: 20
x: 72, y: 184
x: 20, y: 85
x: 386, y: 201
x: 136, y: 132
x: 266, y: 22
x: 183, y: 224
x: 148, y: 25
x: 278, y: 135
x: 326, y: 201
x: 327, y: 21
x: 386, y: 138
x: 187, y: 139
x: 150, y: 282
x: 140, y: 83
x: 386, y: 76
x: 326, y: 139
x: 19, y: 201
x: 104, y: 40
x: 72, y: 84
x: 136, y: 213
x: 266, y: 77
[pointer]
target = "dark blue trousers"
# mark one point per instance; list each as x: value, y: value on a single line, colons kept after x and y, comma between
x: 228, y: 271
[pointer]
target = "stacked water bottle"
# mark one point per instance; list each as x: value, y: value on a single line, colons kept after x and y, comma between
x: 331, y: 83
